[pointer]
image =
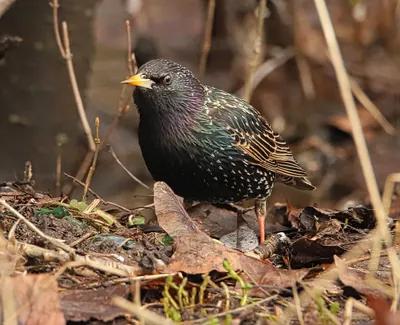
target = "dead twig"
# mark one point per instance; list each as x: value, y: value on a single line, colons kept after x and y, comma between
x: 207, y: 37
x: 94, y: 162
x: 111, y: 150
x: 65, y: 51
x: 257, y: 51
x: 30, y: 225
x: 55, y: 5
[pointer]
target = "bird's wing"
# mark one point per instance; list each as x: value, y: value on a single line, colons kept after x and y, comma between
x: 251, y: 133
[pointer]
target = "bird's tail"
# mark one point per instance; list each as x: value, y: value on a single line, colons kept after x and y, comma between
x: 302, y: 183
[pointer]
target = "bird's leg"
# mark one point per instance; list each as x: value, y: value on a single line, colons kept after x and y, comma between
x: 261, y: 213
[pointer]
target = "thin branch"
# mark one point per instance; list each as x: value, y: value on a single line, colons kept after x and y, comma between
x: 111, y: 150
x: 256, y: 49
x: 65, y: 51
x: 30, y: 225
x: 129, y: 42
x: 75, y: 88
x: 207, y: 37
x: 55, y: 7
x: 94, y: 162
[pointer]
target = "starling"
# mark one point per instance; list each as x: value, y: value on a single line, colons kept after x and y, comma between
x: 206, y: 144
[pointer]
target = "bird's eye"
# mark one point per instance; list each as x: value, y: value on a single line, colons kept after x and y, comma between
x: 167, y: 79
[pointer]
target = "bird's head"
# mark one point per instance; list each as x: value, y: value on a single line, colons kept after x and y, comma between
x: 166, y: 87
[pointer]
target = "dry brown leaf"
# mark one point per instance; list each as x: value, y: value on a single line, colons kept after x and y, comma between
x: 195, y: 252
x: 82, y: 305
x: 37, y: 299
x: 358, y: 280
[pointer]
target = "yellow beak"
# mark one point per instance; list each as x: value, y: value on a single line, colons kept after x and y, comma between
x: 138, y: 81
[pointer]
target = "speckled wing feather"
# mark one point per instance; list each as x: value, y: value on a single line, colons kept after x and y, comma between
x: 251, y: 133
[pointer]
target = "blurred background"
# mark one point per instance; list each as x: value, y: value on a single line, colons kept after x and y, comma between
x: 297, y: 91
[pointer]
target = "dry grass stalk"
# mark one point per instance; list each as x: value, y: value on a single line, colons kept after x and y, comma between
x: 382, y: 231
x: 102, y: 264
x: 359, y: 139
x: 248, y: 89
x: 348, y: 310
x: 94, y: 162
x: 148, y: 316
x: 207, y: 37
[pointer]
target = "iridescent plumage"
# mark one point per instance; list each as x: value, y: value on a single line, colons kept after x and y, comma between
x: 207, y: 144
